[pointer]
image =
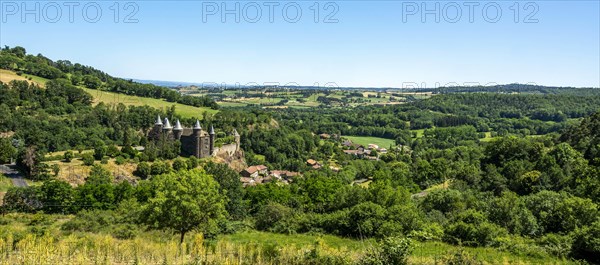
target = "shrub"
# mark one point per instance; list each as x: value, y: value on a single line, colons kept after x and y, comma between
x: 143, y: 170
x: 429, y: 232
x: 391, y: 250
x: 471, y: 228
x: 68, y: 156
x: 88, y: 221
x: 586, y: 243
x: 88, y: 159
x: 367, y: 218
x: 112, y: 151
x: 124, y: 231
x: 22, y: 199
x: 120, y: 160
x: 557, y: 245
x: 460, y: 257
x: 179, y: 164
x: 271, y: 216
x: 444, y: 200
x: 159, y: 168
x: 316, y: 257
x: 99, y: 152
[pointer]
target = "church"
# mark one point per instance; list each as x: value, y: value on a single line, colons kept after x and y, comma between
x: 195, y: 141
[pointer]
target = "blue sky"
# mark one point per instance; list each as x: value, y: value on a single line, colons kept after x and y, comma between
x: 372, y: 44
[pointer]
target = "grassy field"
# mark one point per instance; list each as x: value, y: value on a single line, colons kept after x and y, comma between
x: 419, y: 132
x: 231, y: 104
x: 5, y: 183
x: 297, y: 240
x: 488, y: 137
x: 75, y: 171
x: 7, y: 76
x: 115, y: 98
x: 21, y: 244
x: 366, y: 140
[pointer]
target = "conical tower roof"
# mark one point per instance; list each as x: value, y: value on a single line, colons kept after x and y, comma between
x: 178, y: 126
x: 167, y: 124
x: 158, y: 121
x: 212, y: 130
x: 197, y: 126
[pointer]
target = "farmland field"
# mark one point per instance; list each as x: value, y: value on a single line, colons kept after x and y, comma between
x: 115, y: 98
x: 366, y: 140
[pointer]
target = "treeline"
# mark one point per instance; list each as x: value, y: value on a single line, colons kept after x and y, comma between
x: 61, y: 117
x: 503, y: 114
x: 508, y: 89
x: 18, y: 60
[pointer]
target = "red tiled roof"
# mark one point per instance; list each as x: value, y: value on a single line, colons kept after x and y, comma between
x: 251, y: 169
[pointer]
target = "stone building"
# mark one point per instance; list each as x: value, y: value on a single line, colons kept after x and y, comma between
x: 195, y: 141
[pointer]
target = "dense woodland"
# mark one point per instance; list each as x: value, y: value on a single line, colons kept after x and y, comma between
x: 533, y: 189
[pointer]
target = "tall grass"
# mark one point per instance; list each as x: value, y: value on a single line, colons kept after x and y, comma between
x: 104, y: 249
x: 39, y: 239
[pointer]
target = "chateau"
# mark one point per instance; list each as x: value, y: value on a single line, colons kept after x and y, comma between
x: 194, y: 141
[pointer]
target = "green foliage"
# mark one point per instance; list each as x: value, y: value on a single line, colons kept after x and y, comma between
x: 510, y: 212
x: 143, y: 170
x: 444, y: 200
x: 561, y: 212
x: 98, y: 176
x: 585, y: 137
x: 230, y: 186
x: 460, y: 257
x: 7, y: 150
x: 22, y: 200
x: 275, y: 217
x: 88, y: 159
x: 68, y: 156
x: 366, y: 219
x: 586, y: 242
x: 471, y: 228
x: 184, y: 201
x: 120, y: 160
x: 179, y: 164
x: 159, y: 168
x: 57, y: 196
x: 100, y: 151
x: 391, y: 250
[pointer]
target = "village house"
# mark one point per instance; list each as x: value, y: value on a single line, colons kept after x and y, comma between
x: 247, y: 181
x: 313, y: 163
x: 254, y: 171
x: 373, y: 146
x: 260, y: 174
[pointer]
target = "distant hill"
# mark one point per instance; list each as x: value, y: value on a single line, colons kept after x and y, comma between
x: 171, y: 84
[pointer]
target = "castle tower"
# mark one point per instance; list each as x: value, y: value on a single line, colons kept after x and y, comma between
x: 212, y: 139
x: 167, y: 125
x: 156, y: 132
x: 177, y: 130
x: 158, y: 122
x: 236, y: 136
x: 167, y: 129
x: 197, y: 139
